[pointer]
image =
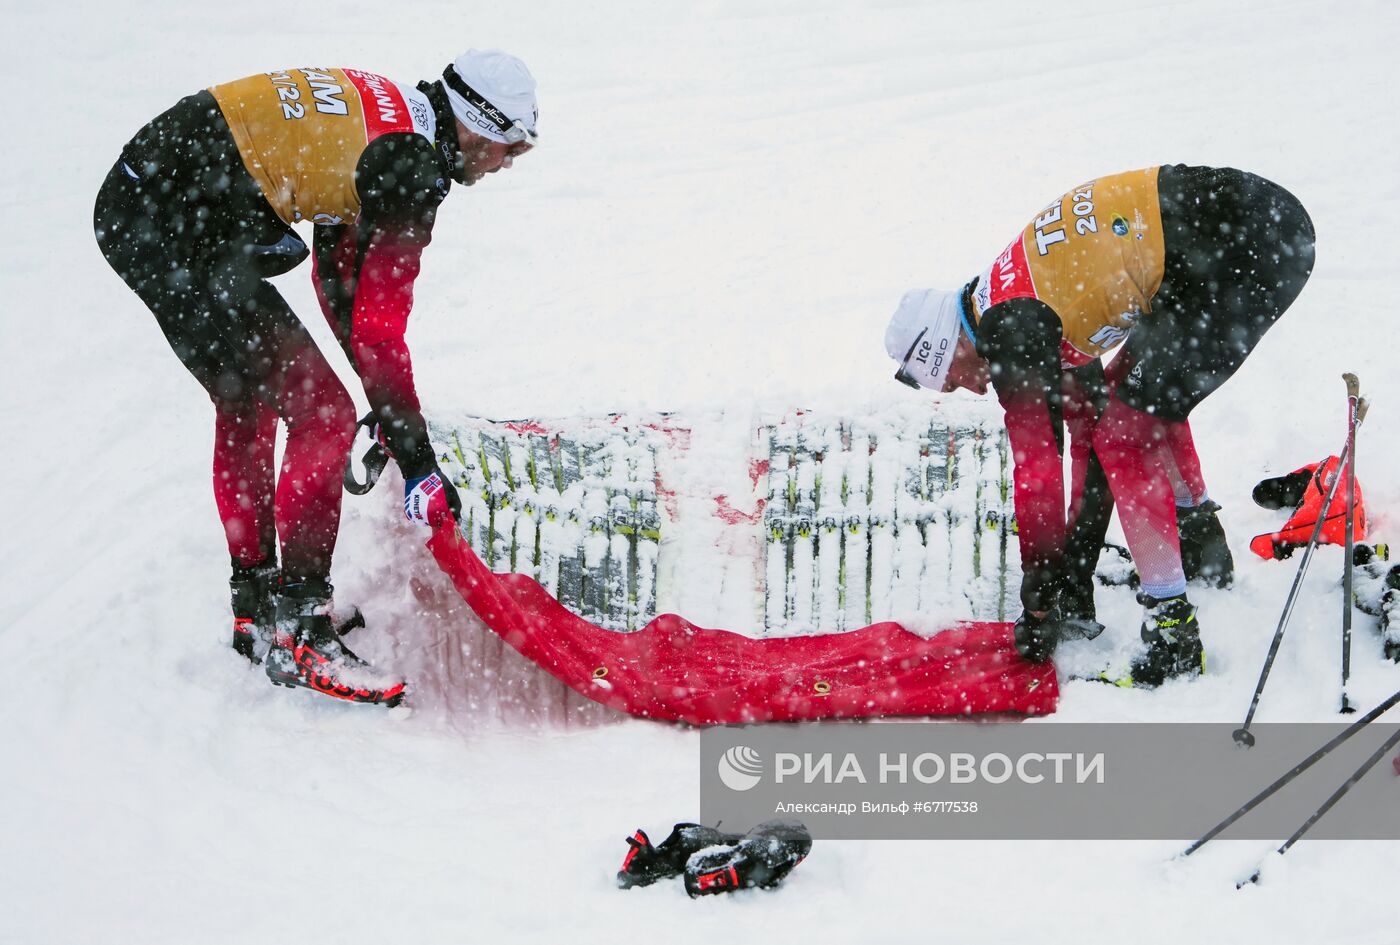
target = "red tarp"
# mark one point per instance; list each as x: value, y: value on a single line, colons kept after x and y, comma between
x: 674, y: 670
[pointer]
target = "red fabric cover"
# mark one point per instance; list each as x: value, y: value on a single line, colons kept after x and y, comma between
x: 1299, y: 527
x: 674, y: 670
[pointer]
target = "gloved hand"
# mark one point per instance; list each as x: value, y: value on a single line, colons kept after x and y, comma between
x: 1037, y: 637
x: 426, y: 499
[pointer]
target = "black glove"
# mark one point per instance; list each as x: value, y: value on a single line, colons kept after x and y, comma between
x: 1205, y: 554
x: 1037, y: 637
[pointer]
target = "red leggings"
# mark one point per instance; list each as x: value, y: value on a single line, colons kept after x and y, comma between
x: 1152, y: 467
x: 304, y: 507
x: 200, y: 263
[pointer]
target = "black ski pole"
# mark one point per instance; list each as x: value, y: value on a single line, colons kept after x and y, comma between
x: 1331, y: 802
x: 1297, y: 769
x: 1242, y: 735
x: 1353, y: 397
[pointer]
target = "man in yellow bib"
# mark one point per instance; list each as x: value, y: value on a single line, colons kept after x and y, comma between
x: 196, y: 215
x: 1189, y: 266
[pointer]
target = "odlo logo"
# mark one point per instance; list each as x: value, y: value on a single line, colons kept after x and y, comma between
x: 740, y: 768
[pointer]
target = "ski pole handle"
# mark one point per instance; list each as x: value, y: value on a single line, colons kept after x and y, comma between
x: 1353, y: 385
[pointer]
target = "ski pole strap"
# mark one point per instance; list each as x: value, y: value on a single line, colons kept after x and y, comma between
x: 374, y: 460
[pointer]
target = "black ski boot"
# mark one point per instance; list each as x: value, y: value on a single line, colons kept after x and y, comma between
x: 764, y: 855
x: 1390, y: 614
x: 1205, y: 555
x: 1173, y: 642
x: 307, y: 650
x: 1283, y: 492
x: 1376, y: 591
x: 645, y: 864
x: 254, y: 594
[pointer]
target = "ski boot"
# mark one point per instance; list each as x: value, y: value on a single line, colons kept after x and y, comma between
x: 762, y: 857
x: 1390, y: 615
x: 1205, y: 555
x: 1173, y: 642
x: 645, y: 864
x: 1283, y: 492
x: 254, y: 596
x: 307, y: 650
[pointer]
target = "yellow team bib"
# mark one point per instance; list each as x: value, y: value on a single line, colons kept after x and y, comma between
x: 301, y: 133
x: 1095, y: 256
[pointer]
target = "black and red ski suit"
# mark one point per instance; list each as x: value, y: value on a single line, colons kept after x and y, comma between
x: 195, y: 219
x: 1236, y: 250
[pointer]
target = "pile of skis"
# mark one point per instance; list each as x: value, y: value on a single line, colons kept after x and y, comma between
x: 839, y: 521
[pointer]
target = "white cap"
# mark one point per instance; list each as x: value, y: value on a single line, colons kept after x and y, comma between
x: 923, y: 334
x: 501, y: 79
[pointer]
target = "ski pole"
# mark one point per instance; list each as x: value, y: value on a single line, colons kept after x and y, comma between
x: 1353, y: 396
x: 1242, y: 735
x: 1331, y: 802
x: 1297, y: 769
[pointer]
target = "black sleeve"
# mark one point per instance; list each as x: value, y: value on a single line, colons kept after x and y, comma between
x: 400, y: 182
x: 1021, y: 341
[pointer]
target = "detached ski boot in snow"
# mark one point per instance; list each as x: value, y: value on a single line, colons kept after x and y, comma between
x: 1173, y: 642
x: 254, y: 596
x: 1205, y: 555
x: 764, y: 855
x: 1390, y: 614
x: 645, y: 864
x: 1376, y: 591
x: 1283, y: 492
x: 307, y: 650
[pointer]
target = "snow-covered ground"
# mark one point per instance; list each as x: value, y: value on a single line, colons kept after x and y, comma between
x: 728, y: 202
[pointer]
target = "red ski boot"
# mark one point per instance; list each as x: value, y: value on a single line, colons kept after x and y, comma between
x: 307, y: 650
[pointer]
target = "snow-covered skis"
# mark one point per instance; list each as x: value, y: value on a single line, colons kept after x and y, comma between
x: 839, y: 521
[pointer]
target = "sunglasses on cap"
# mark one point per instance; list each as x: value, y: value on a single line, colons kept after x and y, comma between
x: 921, y: 363
x: 904, y: 375
x: 513, y: 131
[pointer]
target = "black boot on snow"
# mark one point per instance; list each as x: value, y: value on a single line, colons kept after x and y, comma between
x: 764, y: 855
x: 1205, y: 555
x: 1283, y: 492
x: 1173, y: 642
x: 1390, y: 614
x: 645, y: 864
x: 307, y: 650
x: 254, y: 597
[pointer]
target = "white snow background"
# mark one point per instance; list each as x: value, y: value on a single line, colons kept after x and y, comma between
x: 727, y: 203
